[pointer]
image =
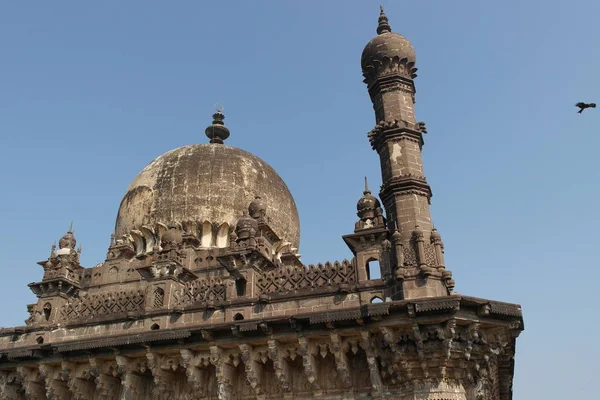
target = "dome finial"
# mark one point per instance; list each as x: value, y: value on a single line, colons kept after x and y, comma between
x: 384, y: 25
x: 367, y: 191
x: 68, y: 240
x: 217, y: 132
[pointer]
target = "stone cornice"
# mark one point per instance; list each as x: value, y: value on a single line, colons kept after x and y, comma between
x: 405, y: 184
x: 387, y: 313
x: 146, y: 337
x: 379, y: 136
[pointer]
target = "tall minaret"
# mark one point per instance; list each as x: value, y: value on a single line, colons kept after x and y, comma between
x: 388, y: 65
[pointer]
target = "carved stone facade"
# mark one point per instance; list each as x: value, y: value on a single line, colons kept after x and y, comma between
x: 190, y: 309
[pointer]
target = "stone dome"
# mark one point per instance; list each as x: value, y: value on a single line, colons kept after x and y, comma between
x: 211, y: 183
x: 390, y: 45
x: 367, y: 205
x: 387, y: 45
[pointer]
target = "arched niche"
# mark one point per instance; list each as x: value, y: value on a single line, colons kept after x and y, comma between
x: 223, y: 235
x: 207, y: 235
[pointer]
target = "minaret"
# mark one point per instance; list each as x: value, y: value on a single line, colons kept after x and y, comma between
x: 388, y: 65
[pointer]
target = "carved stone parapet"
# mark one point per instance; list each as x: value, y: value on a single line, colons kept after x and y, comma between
x: 100, y: 304
x: 287, y: 279
x: 200, y: 292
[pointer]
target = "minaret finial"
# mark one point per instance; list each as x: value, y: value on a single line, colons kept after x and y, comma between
x: 71, y: 227
x: 217, y: 132
x: 384, y: 25
x: 367, y: 191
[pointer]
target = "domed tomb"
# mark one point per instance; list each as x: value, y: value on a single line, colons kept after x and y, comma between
x: 208, y: 186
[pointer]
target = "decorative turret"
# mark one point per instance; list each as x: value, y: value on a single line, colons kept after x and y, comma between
x: 367, y: 204
x: 217, y: 132
x: 257, y: 208
x: 61, y: 280
x: 369, y: 211
x: 67, y: 243
x: 172, y: 238
x: 246, y: 228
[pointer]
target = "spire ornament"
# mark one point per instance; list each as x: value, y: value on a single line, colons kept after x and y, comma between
x: 217, y: 132
x: 384, y: 25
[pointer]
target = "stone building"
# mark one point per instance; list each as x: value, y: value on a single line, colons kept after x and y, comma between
x: 203, y: 295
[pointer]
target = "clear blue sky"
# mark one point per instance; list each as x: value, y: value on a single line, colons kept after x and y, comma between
x: 90, y: 93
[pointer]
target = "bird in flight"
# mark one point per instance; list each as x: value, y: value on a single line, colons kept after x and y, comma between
x: 583, y: 106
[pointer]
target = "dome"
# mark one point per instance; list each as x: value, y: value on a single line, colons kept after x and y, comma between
x: 387, y: 45
x: 211, y: 183
x: 390, y: 45
x: 67, y: 243
x: 367, y: 204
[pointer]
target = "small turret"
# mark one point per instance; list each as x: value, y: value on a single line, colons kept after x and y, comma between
x: 257, y: 208
x: 369, y: 211
x: 67, y: 243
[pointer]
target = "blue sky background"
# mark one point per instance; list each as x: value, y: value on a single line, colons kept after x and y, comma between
x: 90, y: 93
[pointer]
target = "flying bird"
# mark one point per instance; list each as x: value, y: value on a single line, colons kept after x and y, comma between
x: 583, y: 106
